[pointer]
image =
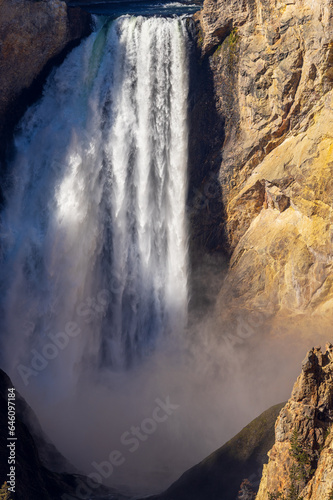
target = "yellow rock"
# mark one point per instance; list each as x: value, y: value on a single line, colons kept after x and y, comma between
x: 284, y: 260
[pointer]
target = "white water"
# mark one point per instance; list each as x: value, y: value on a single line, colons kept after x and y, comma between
x: 93, y: 279
x: 95, y: 221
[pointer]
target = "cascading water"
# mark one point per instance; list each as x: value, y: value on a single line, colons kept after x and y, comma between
x: 93, y: 277
x: 94, y: 261
x: 95, y: 265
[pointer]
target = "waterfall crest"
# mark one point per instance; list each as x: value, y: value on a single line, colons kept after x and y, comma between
x: 95, y: 253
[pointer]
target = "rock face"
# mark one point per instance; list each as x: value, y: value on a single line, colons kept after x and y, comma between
x: 301, y: 458
x: 270, y: 65
x: 291, y: 238
x: 32, y: 33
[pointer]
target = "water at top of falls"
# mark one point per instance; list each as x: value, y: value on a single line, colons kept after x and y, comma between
x: 116, y: 8
x: 95, y: 256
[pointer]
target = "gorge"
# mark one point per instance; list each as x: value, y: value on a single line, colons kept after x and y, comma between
x: 249, y: 244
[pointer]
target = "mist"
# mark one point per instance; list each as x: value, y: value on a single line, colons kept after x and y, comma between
x: 139, y: 430
x: 110, y: 333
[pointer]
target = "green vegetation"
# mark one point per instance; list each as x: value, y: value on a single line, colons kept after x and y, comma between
x: 229, y: 46
x: 241, y: 457
x: 232, y: 42
x: 200, y: 38
x: 300, y: 471
x: 4, y: 493
x: 233, y: 37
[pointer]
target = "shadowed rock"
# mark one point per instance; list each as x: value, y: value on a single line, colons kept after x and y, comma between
x: 34, y: 481
x: 220, y: 475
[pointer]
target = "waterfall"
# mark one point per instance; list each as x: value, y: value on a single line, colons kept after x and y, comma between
x: 93, y: 270
x: 95, y: 248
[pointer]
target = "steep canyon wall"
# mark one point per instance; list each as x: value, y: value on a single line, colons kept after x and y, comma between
x: 269, y: 64
x: 300, y: 462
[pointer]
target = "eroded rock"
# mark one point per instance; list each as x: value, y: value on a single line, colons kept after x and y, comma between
x: 270, y: 65
x: 307, y: 418
x: 276, y: 198
x: 288, y: 245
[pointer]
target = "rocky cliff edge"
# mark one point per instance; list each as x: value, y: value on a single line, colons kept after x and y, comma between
x: 270, y: 65
x: 301, y: 460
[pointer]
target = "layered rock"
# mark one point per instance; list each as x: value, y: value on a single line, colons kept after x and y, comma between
x: 271, y: 68
x: 301, y: 458
x: 32, y: 33
x: 290, y: 240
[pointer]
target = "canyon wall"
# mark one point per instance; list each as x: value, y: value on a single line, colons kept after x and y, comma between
x: 33, y: 36
x: 300, y: 462
x: 269, y: 65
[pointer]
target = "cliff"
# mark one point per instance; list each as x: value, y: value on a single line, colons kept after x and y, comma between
x: 300, y: 462
x: 268, y: 68
x: 33, y: 36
